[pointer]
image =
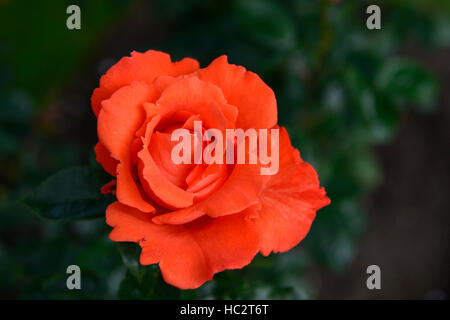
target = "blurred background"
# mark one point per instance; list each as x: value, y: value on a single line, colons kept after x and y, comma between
x: 370, y: 109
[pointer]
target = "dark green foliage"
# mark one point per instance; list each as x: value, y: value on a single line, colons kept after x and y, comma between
x: 70, y: 194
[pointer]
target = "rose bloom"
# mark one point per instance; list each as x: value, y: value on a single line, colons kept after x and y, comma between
x: 196, y: 219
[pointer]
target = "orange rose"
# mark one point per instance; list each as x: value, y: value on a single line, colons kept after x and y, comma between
x: 196, y: 219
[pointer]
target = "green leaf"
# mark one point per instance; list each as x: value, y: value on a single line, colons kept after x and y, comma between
x: 386, y: 118
x: 8, y: 143
x: 333, y: 236
x: 70, y: 194
x: 150, y: 286
x: 130, y: 251
x: 408, y: 82
x: 267, y: 22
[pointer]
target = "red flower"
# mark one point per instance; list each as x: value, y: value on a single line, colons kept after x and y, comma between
x: 196, y: 219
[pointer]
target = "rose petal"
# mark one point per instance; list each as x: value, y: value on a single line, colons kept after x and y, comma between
x: 189, y: 254
x: 289, y: 202
x: 154, y: 182
x: 110, y: 187
x: 211, y: 173
x: 103, y: 156
x: 98, y: 96
x: 140, y: 66
x: 161, y: 151
x: 240, y: 191
x: 196, y: 96
x: 244, y: 89
x: 118, y: 120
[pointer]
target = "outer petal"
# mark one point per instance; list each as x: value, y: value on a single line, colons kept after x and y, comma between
x: 118, y: 120
x: 245, y: 90
x: 289, y: 202
x: 110, y: 187
x: 98, y: 96
x: 140, y: 66
x: 190, y: 254
x: 103, y: 156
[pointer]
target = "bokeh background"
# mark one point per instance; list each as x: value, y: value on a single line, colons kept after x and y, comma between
x: 370, y: 109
